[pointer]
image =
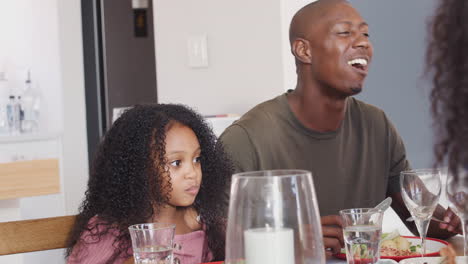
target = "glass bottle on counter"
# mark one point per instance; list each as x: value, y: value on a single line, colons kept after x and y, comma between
x: 4, y: 127
x: 13, y: 114
x: 29, y: 114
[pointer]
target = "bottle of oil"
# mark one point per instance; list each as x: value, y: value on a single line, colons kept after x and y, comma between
x: 29, y: 122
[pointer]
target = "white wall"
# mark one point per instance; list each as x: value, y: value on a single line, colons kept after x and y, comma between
x: 288, y: 9
x: 46, y: 36
x: 396, y: 82
x: 244, y: 50
x: 75, y: 150
x: 29, y: 40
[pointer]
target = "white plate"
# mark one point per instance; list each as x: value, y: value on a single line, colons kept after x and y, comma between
x: 387, y: 261
x: 432, y: 260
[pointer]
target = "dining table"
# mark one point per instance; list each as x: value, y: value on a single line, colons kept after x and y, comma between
x: 392, y: 222
x: 456, y: 242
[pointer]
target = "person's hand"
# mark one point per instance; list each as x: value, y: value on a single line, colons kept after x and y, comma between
x: 454, y: 223
x: 449, y: 254
x: 332, y: 229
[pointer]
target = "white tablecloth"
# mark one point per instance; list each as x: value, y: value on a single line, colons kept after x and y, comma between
x: 339, y: 261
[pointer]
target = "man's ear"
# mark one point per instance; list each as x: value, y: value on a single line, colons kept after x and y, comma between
x: 300, y: 48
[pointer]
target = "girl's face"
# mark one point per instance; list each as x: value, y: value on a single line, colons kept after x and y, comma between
x: 183, y: 161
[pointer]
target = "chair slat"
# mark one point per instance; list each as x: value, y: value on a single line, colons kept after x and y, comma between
x: 35, y: 235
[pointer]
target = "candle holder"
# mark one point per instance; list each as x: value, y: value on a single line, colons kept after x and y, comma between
x: 274, y: 218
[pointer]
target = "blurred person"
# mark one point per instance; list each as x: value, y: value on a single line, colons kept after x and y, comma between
x: 447, y: 62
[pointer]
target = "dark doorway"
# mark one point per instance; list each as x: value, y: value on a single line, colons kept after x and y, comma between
x: 119, y: 61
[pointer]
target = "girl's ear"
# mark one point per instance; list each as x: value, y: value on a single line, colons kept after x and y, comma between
x: 300, y: 48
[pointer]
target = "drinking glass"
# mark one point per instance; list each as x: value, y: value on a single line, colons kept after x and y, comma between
x: 274, y: 218
x: 421, y: 192
x: 362, y: 229
x: 152, y: 243
x: 457, y: 193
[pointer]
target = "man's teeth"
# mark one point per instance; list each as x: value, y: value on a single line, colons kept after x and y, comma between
x: 358, y: 61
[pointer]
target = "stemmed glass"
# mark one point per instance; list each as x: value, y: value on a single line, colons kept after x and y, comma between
x: 421, y: 190
x: 457, y: 193
x: 274, y: 218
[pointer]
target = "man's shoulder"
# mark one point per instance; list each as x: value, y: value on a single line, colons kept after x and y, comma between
x: 262, y: 114
x: 256, y: 121
x: 368, y: 111
x: 372, y: 117
x: 251, y: 132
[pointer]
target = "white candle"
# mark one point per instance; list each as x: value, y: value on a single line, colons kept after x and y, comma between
x: 269, y: 245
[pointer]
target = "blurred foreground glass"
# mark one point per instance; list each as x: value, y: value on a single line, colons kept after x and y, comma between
x: 152, y: 243
x: 457, y: 193
x: 362, y: 229
x: 274, y: 218
x: 421, y: 190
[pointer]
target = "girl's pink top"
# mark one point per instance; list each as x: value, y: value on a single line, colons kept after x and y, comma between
x: 192, y: 248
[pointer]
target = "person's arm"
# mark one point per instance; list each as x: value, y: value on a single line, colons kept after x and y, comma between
x: 401, y: 210
x: 94, y: 250
x: 398, y: 163
x: 240, y: 149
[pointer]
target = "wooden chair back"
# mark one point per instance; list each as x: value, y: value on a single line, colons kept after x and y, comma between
x: 35, y: 235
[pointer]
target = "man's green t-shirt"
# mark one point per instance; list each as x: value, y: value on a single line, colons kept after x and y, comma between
x: 357, y: 165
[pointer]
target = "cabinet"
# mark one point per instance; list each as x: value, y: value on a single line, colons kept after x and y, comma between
x: 29, y: 178
x: 31, y: 184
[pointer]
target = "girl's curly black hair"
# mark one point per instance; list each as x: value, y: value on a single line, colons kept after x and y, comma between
x: 447, y: 62
x: 126, y: 184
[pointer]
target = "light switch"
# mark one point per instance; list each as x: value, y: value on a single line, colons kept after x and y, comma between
x: 197, y: 50
x: 137, y: 4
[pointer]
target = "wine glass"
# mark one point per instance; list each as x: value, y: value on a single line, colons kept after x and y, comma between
x: 421, y: 190
x: 457, y: 193
x: 274, y: 218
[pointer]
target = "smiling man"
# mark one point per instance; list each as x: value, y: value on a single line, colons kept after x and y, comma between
x: 354, y: 152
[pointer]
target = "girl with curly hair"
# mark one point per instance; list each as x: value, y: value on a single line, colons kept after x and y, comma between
x: 157, y: 163
x: 447, y: 60
x: 447, y: 63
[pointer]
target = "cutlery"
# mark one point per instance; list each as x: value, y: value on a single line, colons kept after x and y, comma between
x: 384, y: 205
x: 411, y: 219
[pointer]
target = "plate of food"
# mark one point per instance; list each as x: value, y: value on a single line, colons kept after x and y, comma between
x: 396, y: 247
